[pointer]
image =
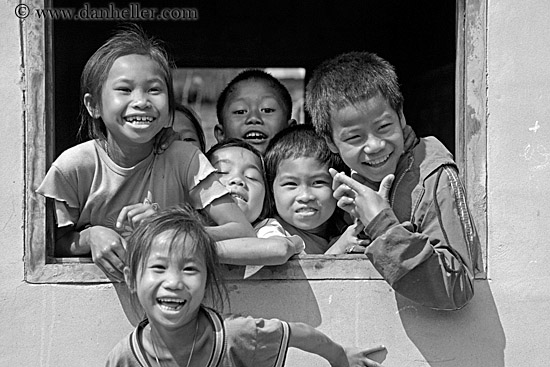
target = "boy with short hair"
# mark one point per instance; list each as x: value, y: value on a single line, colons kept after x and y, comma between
x: 254, y: 106
x: 297, y: 163
x: 405, y: 190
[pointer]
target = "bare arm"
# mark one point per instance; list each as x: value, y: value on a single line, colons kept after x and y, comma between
x: 230, y: 220
x: 309, y: 339
x: 256, y: 251
x: 105, y: 245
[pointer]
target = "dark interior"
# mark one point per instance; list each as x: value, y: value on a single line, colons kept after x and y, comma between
x: 417, y: 37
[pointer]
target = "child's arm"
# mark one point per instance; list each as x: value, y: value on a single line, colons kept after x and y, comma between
x: 430, y: 262
x: 106, y: 246
x: 256, y: 251
x: 309, y: 339
x: 231, y: 221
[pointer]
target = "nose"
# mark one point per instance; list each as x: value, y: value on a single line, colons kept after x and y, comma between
x: 173, y: 280
x: 140, y: 99
x: 236, y: 180
x: 254, y: 117
x: 374, y: 144
x: 305, y: 194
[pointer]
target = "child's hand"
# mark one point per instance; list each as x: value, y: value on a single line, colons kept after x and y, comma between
x: 132, y: 215
x: 358, y: 357
x: 108, y: 250
x: 164, y: 138
x: 359, y: 200
x: 349, y: 242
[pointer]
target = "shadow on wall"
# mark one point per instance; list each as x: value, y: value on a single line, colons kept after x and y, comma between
x: 472, y: 336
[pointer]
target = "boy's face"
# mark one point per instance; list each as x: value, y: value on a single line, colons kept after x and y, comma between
x: 241, y: 172
x: 369, y: 137
x: 302, y: 190
x: 253, y: 112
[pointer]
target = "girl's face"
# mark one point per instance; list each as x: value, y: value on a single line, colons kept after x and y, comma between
x: 241, y: 172
x: 134, y: 100
x: 302, y: 191
x: 169, y: 288
x: 186, y: 129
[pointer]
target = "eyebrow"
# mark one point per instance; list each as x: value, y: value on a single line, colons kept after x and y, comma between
x: 256, y: 167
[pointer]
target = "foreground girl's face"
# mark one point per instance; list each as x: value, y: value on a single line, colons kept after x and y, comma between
x: 302, y: 192
x: 171, y: 288
x: 134, y: 100
x: 241, y: 172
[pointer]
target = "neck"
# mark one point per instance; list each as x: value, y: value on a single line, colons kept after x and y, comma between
x: 177, y: 345
x: 127, y: 155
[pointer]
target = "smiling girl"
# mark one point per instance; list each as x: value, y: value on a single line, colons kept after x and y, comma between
x: 105, y: 186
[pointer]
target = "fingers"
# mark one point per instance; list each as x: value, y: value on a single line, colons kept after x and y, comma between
x: 385, y: 187
x: 110, y: 260
x: 375, y: 349
x: 342, y: 178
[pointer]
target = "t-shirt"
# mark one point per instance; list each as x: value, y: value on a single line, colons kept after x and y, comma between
x: 90, y: 189
x: 238, y: 342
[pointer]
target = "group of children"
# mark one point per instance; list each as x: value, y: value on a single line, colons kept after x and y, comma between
x: 358, y: 180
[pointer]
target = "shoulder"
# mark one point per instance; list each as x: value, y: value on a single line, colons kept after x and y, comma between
x: 80, y: 155
x: 431, y: 155
x: 121, y: 355
x: 180, y: 150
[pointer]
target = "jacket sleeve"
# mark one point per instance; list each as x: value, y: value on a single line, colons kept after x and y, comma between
x: 433, y: 260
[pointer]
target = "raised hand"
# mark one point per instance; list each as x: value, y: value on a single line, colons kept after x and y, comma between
x: 359, y: 200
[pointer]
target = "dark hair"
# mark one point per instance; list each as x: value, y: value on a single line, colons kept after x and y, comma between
x: 296, y: 142
x: 128, y: 41
x: 346, y: 80
x: 255, y: 75
x: 234, y: 142
x: 181, y: 222
x: 191, y: 116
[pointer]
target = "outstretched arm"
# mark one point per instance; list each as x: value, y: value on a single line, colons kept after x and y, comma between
x: 309, y: 339
x: 257, y: 251
x: 231, y: 221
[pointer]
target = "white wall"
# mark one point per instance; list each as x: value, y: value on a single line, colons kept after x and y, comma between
x: 506, y: 324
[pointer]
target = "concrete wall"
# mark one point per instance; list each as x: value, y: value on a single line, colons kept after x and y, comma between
x: 506, y: 324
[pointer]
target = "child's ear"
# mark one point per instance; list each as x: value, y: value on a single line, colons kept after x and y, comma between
x: 127, y: 279
x: 91, y: 106
x: 219, y: 132
x: 333, y: 148
x: 292, y: 122
x: 402, y: 118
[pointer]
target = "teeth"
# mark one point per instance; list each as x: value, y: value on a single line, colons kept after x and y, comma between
x: 171, y: 304
x: 237, y: 196
x: 139, y: 119
x: 255, y: 135
x: 377, y: 161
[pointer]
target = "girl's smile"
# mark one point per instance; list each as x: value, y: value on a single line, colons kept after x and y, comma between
x: 134, y: 101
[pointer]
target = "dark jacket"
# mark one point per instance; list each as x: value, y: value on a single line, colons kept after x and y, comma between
x: 426, y: 245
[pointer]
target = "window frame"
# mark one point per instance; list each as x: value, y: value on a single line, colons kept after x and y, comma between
x: 42, y: 267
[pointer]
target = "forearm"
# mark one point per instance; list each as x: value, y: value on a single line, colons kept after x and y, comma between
x: 255, y: 251
x: 434, y: 276
x: 70, y: 243
x: 307, y: 338
x: 230, y: 230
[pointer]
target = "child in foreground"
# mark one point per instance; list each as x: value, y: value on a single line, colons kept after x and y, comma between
x: 105, y: 186
x: 405, y: 190
x: 254, y: 106
x: 172, y: 265
x: 297, y: 167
